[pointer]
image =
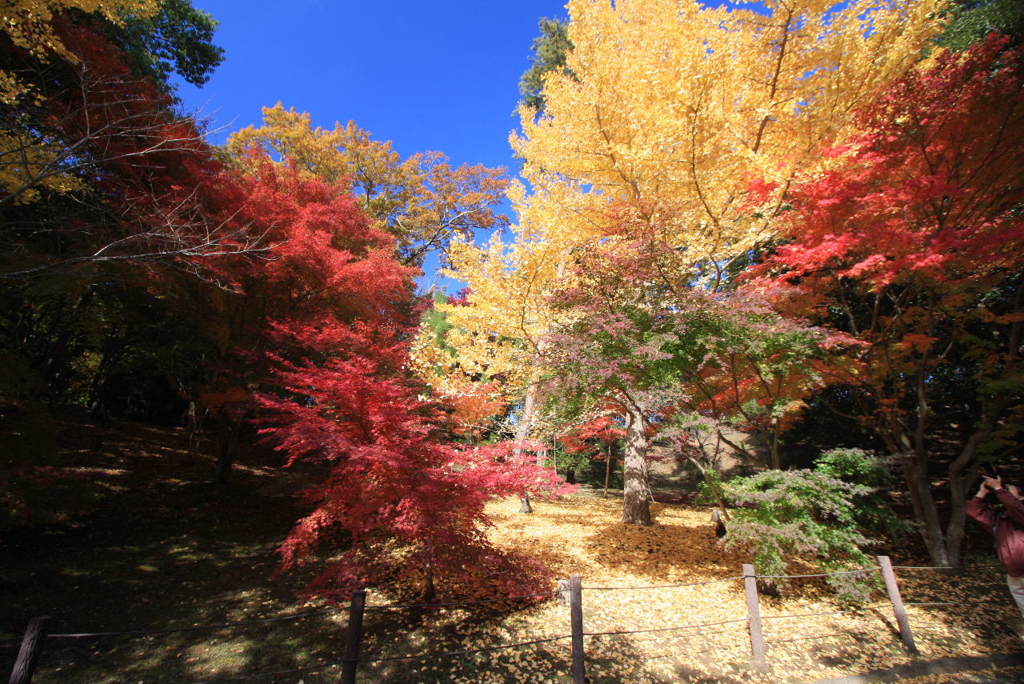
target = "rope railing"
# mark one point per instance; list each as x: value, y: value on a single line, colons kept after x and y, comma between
x: 194, y: 628
x: 946, y: 603
x: 832, y: 613
x: 447, y: 604
x: 863, y: 571
x: 258, y: 675
x: 666, y: 586
x: 278, y: 618
x: 451, y: 604
x: 663, y: 629
x: 447, y: 654
x: 804, y: 638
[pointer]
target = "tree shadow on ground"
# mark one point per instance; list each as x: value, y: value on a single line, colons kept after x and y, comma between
x: 161, y: 548
x: 158, y: 547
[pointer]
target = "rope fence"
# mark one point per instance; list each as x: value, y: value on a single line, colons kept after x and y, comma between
x: 663, y: 629
x: 485, y: 649
x: 669, y: 586
x: 454, y: 604
x: 863, y: 571
x: 196, y: 628
x: 832, y: 613
x: 946, y: 603
x: 569, y: 592
x: 805, y: 638
x: 259, y: 675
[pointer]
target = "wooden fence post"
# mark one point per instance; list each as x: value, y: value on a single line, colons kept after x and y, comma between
x: 353, y: 635
x: 576, y: 616
x: 893, y: 590
x: 754, y: 617
x: 28, y: 654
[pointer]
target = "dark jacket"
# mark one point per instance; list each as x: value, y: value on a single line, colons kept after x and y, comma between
x: 1007, y: 527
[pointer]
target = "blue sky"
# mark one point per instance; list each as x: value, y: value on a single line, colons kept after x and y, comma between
x: 440, y: 75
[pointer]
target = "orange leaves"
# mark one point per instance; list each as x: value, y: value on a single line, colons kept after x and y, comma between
x: 918, y: 343
x: 421, y: 200
x: 475, y: 408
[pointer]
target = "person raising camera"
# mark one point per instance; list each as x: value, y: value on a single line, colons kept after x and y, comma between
x: 1007, y: 526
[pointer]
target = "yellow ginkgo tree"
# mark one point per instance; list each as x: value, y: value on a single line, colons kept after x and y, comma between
x: 668, y: 110
x: 684, y: 126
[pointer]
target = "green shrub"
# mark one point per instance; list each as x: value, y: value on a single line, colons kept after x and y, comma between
x: 871, y: 509
x: 785, y: 514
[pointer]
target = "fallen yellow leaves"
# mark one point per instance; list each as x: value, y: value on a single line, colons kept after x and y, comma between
x: 809, y: 636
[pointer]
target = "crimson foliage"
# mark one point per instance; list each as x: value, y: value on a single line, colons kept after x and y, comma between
x: 406, y: 502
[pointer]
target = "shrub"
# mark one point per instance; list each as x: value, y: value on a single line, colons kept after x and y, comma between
x: 782, y: 515
x: 871, y: 509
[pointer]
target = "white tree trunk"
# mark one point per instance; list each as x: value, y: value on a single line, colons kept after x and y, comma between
x: 523, y: 432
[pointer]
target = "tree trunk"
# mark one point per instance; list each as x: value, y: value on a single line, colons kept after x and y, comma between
x: 775, y: 455
x: 915, y: 474
x: 607, y: 469
x: 428, y: 593
x: 713, y: 487
x: 523, y: 431
x: 956, y: 527
x: 958, y: 474
x: 636, y: 489
x: 227, y: 439
x: 529, y: 409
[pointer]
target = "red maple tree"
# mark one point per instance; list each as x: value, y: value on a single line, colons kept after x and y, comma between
x: 914, y: 246
x: 338, y: 315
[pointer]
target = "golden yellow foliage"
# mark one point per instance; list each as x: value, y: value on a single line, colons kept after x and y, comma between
x: 673, y: 108
x: 481, y: 359
x: 33, y: 170
x: 508, y: 311
x: 28, y: 25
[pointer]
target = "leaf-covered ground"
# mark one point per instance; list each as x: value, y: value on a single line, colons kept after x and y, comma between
x: 809, y: 636
x: 154, y: 546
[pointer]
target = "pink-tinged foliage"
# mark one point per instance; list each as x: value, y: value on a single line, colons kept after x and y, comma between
x: 639, y: 337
